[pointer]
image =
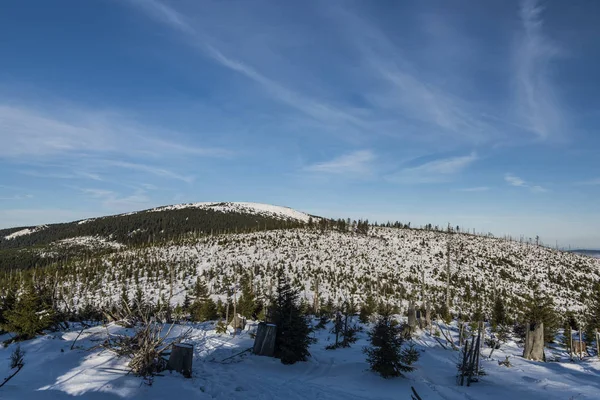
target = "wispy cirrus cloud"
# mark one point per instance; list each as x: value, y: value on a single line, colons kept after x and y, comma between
x: 513, y: 180
x: 317, y: 109
x: 437, y: 171
x: 358, y: 162
x: 150, y: 169
x: 475, y: 189
x: 591, y: 182
x: 114, y: 201
x: 61, y: 175
x: 402, y: 90
x: 29, y: 132
x: 538, y: 102
x: 17, y: 197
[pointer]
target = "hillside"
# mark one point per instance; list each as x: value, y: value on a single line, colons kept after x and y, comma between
x: 101, y: 269
x: 133, y: 229
x: 393, y: 265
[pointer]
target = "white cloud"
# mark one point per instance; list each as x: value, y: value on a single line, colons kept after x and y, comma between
x: 161, y: 172
x: 27, y: 132
x: 538, y: 189
x: 591, y: 182
x: 514, y: 180
x: 538, y: 103
x: 17, y: 197
x: 358, y: 162
x: 475, y: 189
x: 401, y: 90
x: 442, y: 170
x: 116, y: 202
x: 518, y: 182
x: 11, y: 218
x: 318, y: 110
x: 58, y: 175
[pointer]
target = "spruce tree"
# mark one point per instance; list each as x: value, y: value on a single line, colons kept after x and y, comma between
x: 367, y: 309
x: 385, y: 355
x: 292, y: 338
x: 498, y: 313
x: 593, y: 318
x: 186, y: 303
x: 207, y: 311
x: 7, y: 303
x: 200, y: 291
x: 540, y: 308
x: 203, y: 308
x: 247, y: 305
x: 31, y: 314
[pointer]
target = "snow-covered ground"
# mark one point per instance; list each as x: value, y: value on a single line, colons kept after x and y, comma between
x: 347, y: 264
x: 53, y: 371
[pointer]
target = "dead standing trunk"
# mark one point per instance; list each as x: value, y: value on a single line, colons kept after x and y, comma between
x: 412, y: 317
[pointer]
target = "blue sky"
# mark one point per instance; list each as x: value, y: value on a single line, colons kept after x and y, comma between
x: 481, y: 114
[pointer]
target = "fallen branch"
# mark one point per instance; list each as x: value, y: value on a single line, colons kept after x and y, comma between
x: 415, y: 395
x: 10, y: 377
x: 440, y: 342
x: 84, y: 327
x: 448, y: 337
x: 237, y: 354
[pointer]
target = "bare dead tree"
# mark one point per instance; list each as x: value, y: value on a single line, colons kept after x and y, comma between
x: 147, y: 347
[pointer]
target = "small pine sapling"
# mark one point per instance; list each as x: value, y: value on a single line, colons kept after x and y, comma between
x: 17, y: 358
x: 385, y: 355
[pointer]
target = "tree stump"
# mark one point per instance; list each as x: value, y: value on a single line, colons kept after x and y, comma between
x: 181, y: 359
x: 238, y: 322
x: 534, y: 342
x: 264, y: 343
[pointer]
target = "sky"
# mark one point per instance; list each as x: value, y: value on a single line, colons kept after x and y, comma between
x: 479, y: 114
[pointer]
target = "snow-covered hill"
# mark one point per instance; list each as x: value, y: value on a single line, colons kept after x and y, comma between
x: 266, y: 210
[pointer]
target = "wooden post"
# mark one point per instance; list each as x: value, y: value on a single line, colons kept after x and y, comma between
x: 412, y: 316
x: 181, y: 359
x: 447, y: 275
x: 571, y: 346
x: 597, y: 344
x: 580, y: 344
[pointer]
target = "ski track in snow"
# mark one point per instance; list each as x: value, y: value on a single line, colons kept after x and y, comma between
x: 50, y: 373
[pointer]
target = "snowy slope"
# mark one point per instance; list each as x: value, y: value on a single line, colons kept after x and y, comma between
x: 53, y: 371
x: 405, y: 261
x: 266, y: 210
x: 26, y: 231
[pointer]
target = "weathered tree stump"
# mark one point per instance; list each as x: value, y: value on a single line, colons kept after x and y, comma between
x: 534, y: 342
x: 238, y: 322
x: 181, y: 359
x: 264, y: 343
